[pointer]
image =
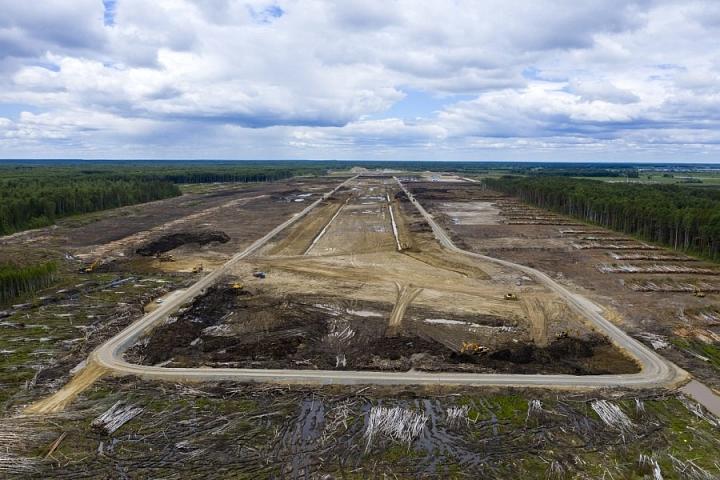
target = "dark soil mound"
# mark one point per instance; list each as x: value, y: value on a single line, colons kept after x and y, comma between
x: 252, y: 330
x: 207, y: 310
x: 571, y: 355
x: 175, y: 240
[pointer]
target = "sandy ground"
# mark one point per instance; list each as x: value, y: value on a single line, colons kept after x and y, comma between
x: 472, y: 213
x: 356, y: 259
x: 243, y: 211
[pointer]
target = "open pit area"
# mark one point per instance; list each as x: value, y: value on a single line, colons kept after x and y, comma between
x: 651, y: 292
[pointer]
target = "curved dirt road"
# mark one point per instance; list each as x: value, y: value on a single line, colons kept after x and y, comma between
x: 653, y: 366
x: 655, y: 371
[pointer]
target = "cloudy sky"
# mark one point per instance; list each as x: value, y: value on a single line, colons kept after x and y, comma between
x: 610, y: 80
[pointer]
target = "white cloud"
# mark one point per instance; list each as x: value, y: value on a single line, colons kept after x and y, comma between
x: 314, y: 78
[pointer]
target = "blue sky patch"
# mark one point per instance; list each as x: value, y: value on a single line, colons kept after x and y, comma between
x: 419, y: 104
x: 13, y: 110
x: 109, y: 14
x: 267, y: 14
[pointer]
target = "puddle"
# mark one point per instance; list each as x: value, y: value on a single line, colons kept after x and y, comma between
x: 703, y: 395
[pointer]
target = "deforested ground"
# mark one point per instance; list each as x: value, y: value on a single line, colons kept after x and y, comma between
x: 336, y: 294
x: 651, y: 291
x: 231, y: 430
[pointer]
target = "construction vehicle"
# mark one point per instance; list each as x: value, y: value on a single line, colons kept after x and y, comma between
x: 198, y: 268
x: 91, y: 268
x: 259, y: 274
x: 511, y: 296
x: 165, y: 257
x: 237, y: 286
x: 699, y: 293
x: 472, y: 348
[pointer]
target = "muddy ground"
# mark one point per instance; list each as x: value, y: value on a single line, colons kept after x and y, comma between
x: 337, y: 295
x: 227, y: 328
x: 243, y: 212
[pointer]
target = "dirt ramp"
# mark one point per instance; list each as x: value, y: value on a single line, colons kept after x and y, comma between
x: 174, y: 240
x: 62, y: 398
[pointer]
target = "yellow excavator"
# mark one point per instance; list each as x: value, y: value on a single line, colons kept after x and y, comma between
x: 237, y: 286
x: 90, y: 268
x: 511, y: 296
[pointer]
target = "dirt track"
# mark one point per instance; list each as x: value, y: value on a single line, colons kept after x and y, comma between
x: 405, y: 295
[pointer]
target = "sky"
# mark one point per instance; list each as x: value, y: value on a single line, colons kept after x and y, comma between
x: 561, y: 80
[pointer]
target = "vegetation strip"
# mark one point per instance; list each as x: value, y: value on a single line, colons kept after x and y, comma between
x: 16, y: 280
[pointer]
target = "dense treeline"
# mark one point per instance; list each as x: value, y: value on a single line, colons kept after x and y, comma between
x: 33, y: 196
x: 16, y: 280
x: 34, y: 193
x: 302, y: 167
x: 680, y: 217
x: 212, y: 176
x: 209, y: 172
x: 581, y: 172
x: 37, y: 201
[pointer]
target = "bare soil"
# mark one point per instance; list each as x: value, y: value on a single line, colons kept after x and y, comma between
x: 656, y: 303
x: 226, y: 328
x: 338, y: 295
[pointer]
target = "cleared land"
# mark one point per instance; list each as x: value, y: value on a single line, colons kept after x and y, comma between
x: 650, y: 291
x: 339, y: 297
x: 354, y: 302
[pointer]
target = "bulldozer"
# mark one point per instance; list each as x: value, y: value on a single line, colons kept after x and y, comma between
x: 237, y: 286
x: 164, y: 257
x: 472, y: 348
x: 510, y: 296
x: 198, y: 268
